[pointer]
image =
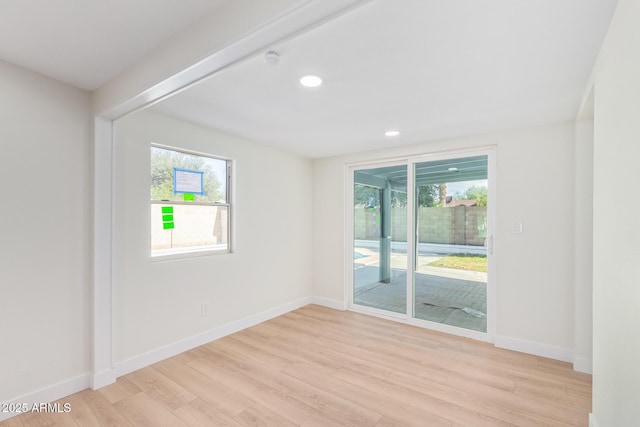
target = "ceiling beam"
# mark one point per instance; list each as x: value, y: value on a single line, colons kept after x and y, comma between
x: 293, y: 22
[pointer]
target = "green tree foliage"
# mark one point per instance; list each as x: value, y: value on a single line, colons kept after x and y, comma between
x: 366, y: 196
x: 428, y: 195
x: 475, y: 192
x: 162, y: 164
x: 398, y: 199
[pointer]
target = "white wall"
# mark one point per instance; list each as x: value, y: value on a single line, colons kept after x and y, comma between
x: 583, y: 246
x: 534, y: 269
x: 616, y: 237
x: 45, y: 246
x: 158, y: 303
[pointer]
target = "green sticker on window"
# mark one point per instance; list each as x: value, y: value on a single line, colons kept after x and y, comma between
x: 189, y: 196
x: 167, y: 209
x: 168, y: 225
x: 167, y: 218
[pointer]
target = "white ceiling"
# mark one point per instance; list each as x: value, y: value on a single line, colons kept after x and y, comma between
x: 431, y: 68
x: 86, y: 43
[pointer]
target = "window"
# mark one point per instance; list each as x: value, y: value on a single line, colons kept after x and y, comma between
x: 190, y: 203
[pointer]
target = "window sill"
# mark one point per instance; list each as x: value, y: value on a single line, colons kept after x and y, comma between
x: 186, y: 253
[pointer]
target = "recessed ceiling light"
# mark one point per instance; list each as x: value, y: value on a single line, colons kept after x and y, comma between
x: 452, y: 169
x: 310, y: 81
x: 392, y: 133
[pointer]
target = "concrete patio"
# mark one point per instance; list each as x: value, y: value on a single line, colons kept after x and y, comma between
x: 442, y: 295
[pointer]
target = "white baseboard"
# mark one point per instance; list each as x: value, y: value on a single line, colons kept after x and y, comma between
x: 65, y: 388
x: 583, y: 364
x: 103, y: 379
x: 537, y: 349
x: 50, y: 393
x: 82, y: 382
x: 329, y: 303
x: 592, y: 420
x: 170, y: 350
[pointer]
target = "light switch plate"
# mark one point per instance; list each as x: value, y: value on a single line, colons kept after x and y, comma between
x: 516, y: 227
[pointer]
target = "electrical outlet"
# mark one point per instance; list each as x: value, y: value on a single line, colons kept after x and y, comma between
x: 204, y: 309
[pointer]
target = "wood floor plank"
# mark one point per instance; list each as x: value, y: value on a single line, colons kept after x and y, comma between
x: 324, y: 419
x: 325, y: 403
x: 269, y: 396
x: 199, y: 412
x: 264, y: 329
x: 388, y: 422
x: 337, y: 359
x: 265, y: 344
x: 287, y: 349
x: 119, y: 390
x: 91, y: 408
x: 456, y: 409
x: 581, y: 392
x: 382, y: 402
x: 143, y: 410
x: 510, y: 406
x: 234, y: 346
x: 540, y: 391
x: 12, y: 422
x: 161, y: 388
x: 192, y: 354
x: 223, y: 398
x: 260, y: 416
x: 321, y: 367
x: 380, y: 357
x: 40, y: 419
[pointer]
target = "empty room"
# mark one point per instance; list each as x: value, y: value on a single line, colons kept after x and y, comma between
x: 319, y: 212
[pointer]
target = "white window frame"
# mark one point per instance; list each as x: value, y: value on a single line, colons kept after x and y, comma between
x: 188, y: 252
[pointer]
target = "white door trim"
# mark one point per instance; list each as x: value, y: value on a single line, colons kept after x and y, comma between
x: 102, y: 362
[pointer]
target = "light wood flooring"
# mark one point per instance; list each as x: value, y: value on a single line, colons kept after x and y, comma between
x: 321, y: 367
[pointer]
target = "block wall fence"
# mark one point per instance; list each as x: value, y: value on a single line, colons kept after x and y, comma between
x: 460, y: 225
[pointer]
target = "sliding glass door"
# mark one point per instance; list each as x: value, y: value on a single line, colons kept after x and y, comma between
x: 380, y: 238
x: 420, y: 240
x: 450, y: 223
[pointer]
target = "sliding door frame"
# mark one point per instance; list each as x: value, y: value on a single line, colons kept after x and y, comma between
x: 349, y: 247
x: 410, y: 161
